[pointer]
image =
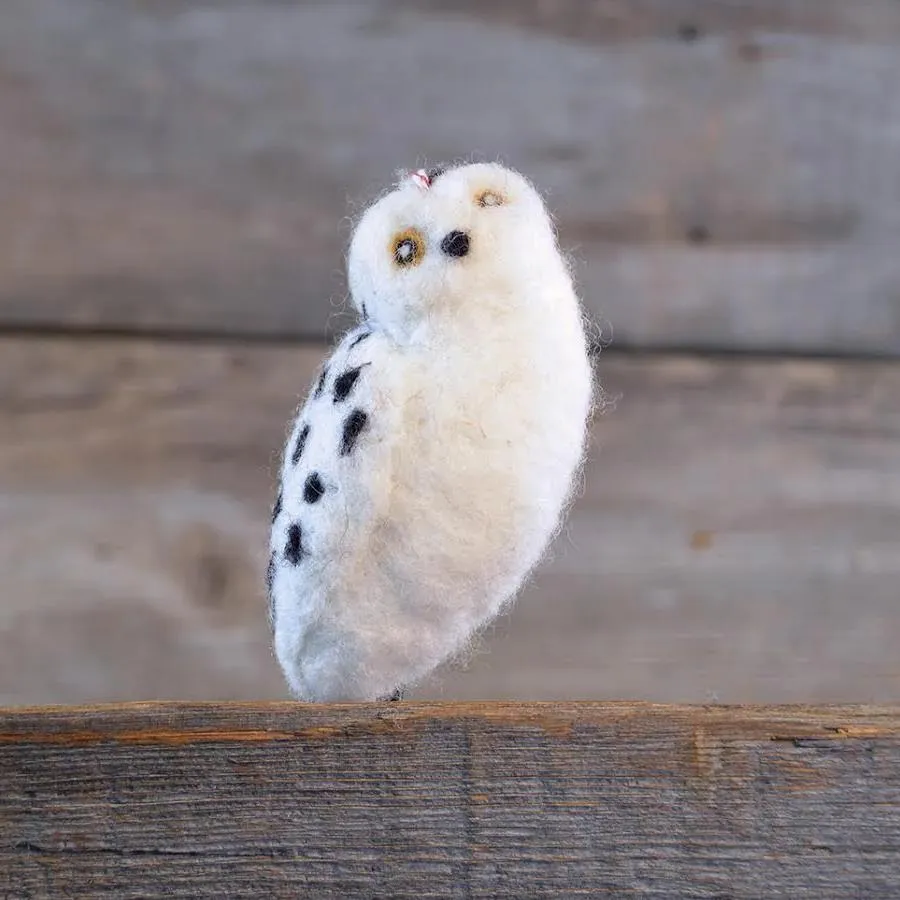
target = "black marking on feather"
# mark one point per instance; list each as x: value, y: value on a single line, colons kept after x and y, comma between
x: 300, y: 445
x: 270, y: 581
x: 359, y: 339
x: 320, y: 384
x: 276, y: 509
x: 353, y: 427
x: 270, y: 572
x: 294, y: 551
x: 344, y: 383
x: 313, y: 490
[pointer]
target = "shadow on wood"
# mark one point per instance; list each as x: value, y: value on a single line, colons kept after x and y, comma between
x: 453, y: 800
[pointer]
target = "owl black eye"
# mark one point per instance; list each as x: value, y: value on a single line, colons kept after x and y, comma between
x: 408, y: 248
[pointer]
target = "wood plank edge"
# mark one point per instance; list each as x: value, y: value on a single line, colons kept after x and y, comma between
x: 166, y: 723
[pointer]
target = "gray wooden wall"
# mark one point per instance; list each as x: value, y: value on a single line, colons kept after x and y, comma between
x: 177, y: 181
x: 724, y: 171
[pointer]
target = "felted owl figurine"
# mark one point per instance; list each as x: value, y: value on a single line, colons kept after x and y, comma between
x: 436, y: 452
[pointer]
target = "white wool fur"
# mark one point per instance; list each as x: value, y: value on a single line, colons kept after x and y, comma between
x: 476, y: 385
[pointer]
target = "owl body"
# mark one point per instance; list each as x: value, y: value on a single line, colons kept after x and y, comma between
x: 436, y: 452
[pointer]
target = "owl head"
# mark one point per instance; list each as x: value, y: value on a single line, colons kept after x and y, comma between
x: 448, y: 239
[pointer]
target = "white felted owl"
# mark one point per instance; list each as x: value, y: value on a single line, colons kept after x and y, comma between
x: 436, y: 452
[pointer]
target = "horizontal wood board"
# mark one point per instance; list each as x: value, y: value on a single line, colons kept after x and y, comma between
x: 737, y: 536
x: 455, y: 800
x: 723, y: 172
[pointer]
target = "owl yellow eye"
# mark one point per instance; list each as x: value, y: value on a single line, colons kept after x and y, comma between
x: 489, y: 198
x: 408, y: 247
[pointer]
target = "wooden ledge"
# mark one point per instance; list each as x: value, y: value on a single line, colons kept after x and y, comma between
x: 449, y: 799
x: 155, y: 722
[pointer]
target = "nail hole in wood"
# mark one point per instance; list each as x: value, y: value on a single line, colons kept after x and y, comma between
x: 688, y: 32
x: 698, y: 234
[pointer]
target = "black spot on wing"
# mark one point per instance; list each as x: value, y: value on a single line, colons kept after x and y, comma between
x: 359, y: 339
x: 270, y: 572
x: 320, y: 384
x: 270, y: 580
x: 313, y: 489
x: 301, y: 443
x: 294, y: 551
x: 353, y: 427
x: 344, y: 383
x: 276, y: 509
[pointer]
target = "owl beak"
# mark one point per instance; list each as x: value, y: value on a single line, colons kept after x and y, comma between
x: 456, y: 244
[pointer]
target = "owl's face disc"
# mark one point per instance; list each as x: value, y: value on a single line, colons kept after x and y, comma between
x: 445, y: 238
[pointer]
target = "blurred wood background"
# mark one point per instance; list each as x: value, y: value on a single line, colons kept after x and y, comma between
x: 176, y: 186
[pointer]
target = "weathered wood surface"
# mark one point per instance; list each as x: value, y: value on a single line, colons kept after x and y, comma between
x: 724, y: 171
x: 738, y: 534
x: 476, y: 800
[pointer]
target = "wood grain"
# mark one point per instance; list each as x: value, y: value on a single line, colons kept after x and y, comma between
x: 722, y: 172
x: 737, y: 536
x: 455, y: 800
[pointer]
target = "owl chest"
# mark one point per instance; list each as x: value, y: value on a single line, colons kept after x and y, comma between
x: 473, y: 414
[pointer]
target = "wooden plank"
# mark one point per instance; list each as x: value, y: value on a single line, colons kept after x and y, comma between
x: 609, y: 21
x: 477, y: 800
x: 737, y: 538
x: 723, y: 172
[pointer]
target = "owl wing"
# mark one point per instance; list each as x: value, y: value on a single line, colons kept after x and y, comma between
x: 334, y: 482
